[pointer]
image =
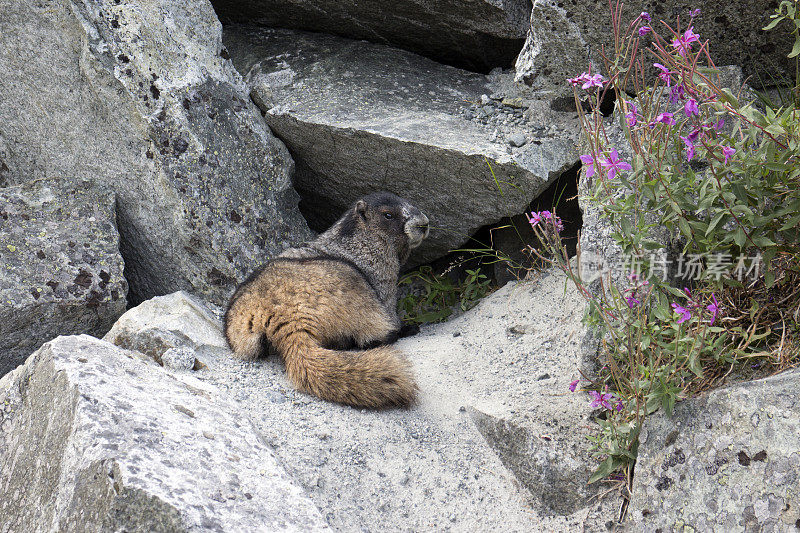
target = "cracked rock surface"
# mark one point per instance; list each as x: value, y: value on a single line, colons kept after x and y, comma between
x: 137, y: 97
x: 474, y: 34
x: 566, y: 36
x: 726, y: 461
x: 96, y: 438
x: 357, y: 117
x: 60, y: 267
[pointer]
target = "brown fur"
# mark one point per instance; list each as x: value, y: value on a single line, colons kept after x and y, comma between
x: 309, y: 305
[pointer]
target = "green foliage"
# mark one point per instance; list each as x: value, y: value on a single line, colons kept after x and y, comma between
x: 439, y: 295
x: 719, y: 177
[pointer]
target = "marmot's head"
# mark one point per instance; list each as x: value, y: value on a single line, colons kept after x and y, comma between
x: 390, y: 215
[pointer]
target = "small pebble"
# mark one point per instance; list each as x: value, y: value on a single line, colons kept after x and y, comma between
x: 179, y: 358
x: 517, y: 139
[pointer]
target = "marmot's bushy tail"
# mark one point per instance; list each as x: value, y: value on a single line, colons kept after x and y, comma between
x: 378, y: 377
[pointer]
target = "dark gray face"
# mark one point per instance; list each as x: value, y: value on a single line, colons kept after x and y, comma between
x: 393, y: 216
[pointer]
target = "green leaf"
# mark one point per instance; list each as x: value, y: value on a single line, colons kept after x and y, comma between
x: 727, y: 96
x: 776, y: 20
x: 685, y: 229
x: 796, y: 49
x: 739, y: 237
x: 715, y: 221
x: 762, y: 241
x: 605, y: 468
x: 695, y: 366
x: 794, y: 221
x: 775, y: 129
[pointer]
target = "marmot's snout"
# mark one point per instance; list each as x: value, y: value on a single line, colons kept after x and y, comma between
x: 417, y: 228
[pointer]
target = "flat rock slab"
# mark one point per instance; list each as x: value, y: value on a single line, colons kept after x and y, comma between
x: 566, y: 36
x: 137, y: 96
x: 60, y: 266
x: 726, y: 461
x: 95, y: 438
x: 359, y: 117
x: 474, y: 34
x: 430, y: 467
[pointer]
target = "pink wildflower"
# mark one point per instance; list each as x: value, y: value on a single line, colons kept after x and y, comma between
x: 588, y: 162
x: 613, y: 164
x: 690, y: 108
x: 684, y: 44
x: 594, y: 81
x: 689, y: 147
x: 713, y: 309
x: 666, y: 118
x: 664, y: 75
x: 685, y: 313
x: 534, y: 218
x: 601, y: 400
x: 676, y: 93
x: 573, y: 385
x: 579, y: 80
x: 631, y: 116
x: 727, y: 152
x: 644, y: 30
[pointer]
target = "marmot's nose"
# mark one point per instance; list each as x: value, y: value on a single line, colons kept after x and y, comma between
x: 423, y: 223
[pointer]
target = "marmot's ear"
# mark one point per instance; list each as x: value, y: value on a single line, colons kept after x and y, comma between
x: 361, y: 209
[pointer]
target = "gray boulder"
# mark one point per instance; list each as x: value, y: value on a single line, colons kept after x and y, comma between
x: 474, y: 34
x: 565, y: 37
x: 726, y: 461
x: 60, y: 267
x: 94, y: 438
x: 173, y: 322
x: 360, y: 117
x: 141, y: 99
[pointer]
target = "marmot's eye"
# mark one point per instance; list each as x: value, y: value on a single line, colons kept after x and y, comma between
x: 388, y: 216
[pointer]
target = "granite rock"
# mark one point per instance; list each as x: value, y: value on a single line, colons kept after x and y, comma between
x: 359, y: 117
x: 171, y: 322
x: 510, y: 361
x: 95, y: 438
x: 140, y: 98
x: 473, y: 34
x: 60, y: 267
x: 566, y: 36
x: 726, y: 461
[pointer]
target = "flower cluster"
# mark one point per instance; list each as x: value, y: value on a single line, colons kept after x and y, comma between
x: 545, y: 217
x: 586, y: 80
x: 693, y: 305
x: 611, y: 164
x: 605, y: 399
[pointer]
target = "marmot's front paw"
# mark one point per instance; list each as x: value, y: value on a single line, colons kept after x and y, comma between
x: 407, y: 330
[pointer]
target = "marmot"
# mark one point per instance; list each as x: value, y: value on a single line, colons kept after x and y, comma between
x: 317, y: 302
